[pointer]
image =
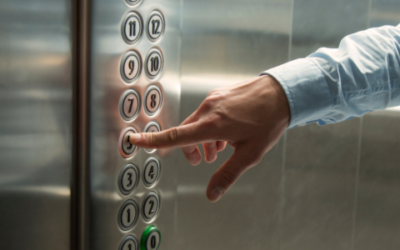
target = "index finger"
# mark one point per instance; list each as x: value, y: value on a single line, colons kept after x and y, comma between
x: 181, y: 136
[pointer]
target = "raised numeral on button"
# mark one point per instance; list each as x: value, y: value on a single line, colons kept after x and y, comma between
x: 128, y: 179
x: 151, y: 206
x: 128, y: 215
x: 132, y: 27
x: 155, y: 26
x: 154, y: 63
x: 131, y: 66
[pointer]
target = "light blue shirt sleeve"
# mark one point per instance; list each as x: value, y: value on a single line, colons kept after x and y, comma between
x: 333, y: 85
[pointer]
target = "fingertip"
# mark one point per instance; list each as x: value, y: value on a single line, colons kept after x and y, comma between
x: 214, y: 194
x: 192, y: 155
x: 211, y: 158
x: 221, y: 145
x: 135, y: 138
x: 210, y: 151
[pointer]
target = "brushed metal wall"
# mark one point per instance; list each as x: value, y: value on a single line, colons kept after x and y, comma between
x: 35, y: 124
x: 329, y: 187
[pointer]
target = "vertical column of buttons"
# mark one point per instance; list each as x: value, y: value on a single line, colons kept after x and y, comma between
x: 130, y: 106
x: 129, y: 109
x: 152, y: 103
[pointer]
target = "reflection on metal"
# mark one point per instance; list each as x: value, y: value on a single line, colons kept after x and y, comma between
x: 35, y: 124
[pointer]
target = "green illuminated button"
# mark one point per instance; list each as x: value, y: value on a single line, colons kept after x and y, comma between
x: 151, y: 239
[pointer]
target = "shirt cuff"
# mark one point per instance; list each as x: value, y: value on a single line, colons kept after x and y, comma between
x: 306, y: 89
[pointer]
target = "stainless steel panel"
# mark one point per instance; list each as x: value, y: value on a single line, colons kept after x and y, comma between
x: 384, y: 12
x: 35, y: 124
x: 320, y: 177
x: 321, y: 162
x: 323, y: 23
x: 225, y: 42
x: 106, y: 87
x: 378, y: 206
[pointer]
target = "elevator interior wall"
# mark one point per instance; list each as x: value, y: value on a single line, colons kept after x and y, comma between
x: 36, y: 124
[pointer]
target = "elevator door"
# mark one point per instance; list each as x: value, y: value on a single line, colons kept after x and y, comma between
x: 134, y: 87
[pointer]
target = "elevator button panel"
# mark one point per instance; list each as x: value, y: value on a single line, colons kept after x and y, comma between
x: 152, y: 171
x: 129, y: 105
x: 131, y: 66
x: 155, y: 26
x: 128, y: 215
x: 129, y: 243
x: 154, y: 63
x: 127, y: 149
x: 153, y: 100
x: 151, y: 239
x: 128, y: 179
x: 132, y: 27
x: 151, y: 206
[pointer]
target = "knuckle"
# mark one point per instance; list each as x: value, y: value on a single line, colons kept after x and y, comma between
x: 151, y: 139
x: 212, y: 92
x: 211, y: 122
x: 228, y: 177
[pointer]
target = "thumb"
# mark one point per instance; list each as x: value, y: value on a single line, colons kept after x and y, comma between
x: 243, y: 159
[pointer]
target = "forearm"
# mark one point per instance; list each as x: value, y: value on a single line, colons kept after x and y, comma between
x: 333, y: 85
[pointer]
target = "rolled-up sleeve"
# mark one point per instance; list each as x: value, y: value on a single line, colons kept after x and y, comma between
x: 333, y: 85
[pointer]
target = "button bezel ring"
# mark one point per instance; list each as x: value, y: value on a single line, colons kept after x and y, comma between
x: 151, y: 185
x: 128, y: 202
x: 121, y: 175
x: 120, y: 146
x: 145, y: 218
x: 122, y: 102
x: 155, y: 12
x: 123, y: 23
x: 154, y: 50
x: 122, y: 67
x: 148, y: 90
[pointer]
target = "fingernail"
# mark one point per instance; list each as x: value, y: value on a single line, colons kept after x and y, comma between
x: 216, y: 193
x: 135, y: 138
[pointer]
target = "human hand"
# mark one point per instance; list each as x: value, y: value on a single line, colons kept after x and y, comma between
x: 250, y: 116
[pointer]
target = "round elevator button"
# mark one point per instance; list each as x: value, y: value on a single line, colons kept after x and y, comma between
x: 155, y: 26
x: 128, y: 179
x: 129, y: 105
x: 129, y: 243
x: 153, y: 100
x: 132, y: 27
x: 152, y: 127
x: 151, y: 206
x: 133, y: 2
x: 127, y: 149
x: 128, y: 215
x: 131, y: 66
x: 154, y: 63
x: 152, y: 171
x: 151, y: 239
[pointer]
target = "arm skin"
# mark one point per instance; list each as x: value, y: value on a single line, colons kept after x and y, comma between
x: 329, y: 86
